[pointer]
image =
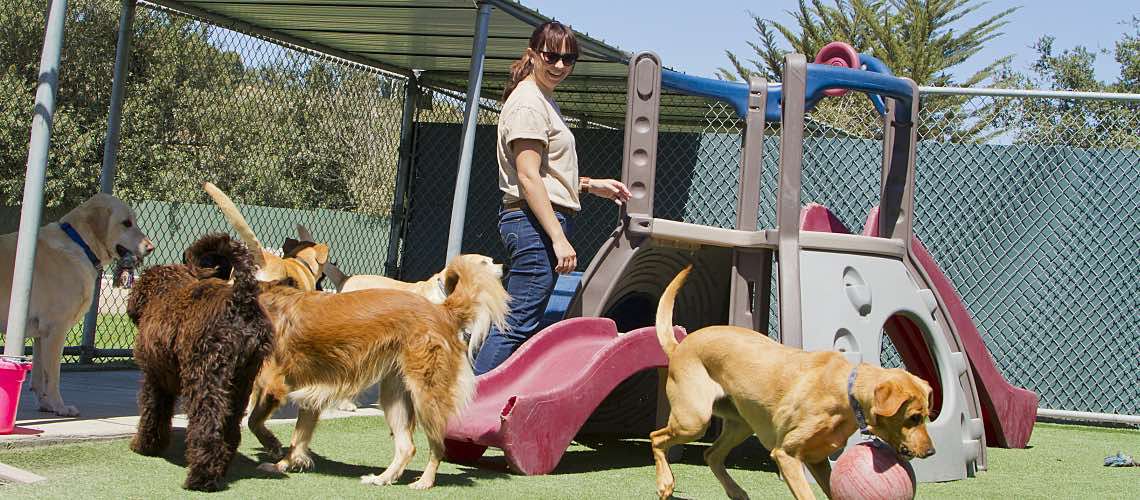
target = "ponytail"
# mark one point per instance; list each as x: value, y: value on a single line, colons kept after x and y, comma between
x: 519, y: 70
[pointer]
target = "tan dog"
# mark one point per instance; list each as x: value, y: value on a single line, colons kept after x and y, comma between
x: 331, y: 346
x: 303, y: 263
x: 436, y: 290
x: 796, y: 402
x: 63, y: 282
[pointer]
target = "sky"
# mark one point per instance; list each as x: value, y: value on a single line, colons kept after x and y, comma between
x: 691, y: 36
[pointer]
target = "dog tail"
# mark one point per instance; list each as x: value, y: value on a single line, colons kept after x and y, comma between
x: 217, y: 255
x: 335, y: 275
x: 665, y: 312
x: 234, y: 217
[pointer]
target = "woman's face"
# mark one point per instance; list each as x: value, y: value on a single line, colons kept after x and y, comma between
x: 549, y: 74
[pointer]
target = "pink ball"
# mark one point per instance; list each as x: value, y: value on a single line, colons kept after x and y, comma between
x: 866, y: 472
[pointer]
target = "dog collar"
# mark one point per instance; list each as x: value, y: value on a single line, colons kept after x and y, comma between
x: 860, y: 417
x: 74, y: 235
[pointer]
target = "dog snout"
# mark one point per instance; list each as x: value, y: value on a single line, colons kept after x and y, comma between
x: 928, y: 453
x: 147, y: 246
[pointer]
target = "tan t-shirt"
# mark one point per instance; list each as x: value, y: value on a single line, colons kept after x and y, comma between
x: 528, y: 114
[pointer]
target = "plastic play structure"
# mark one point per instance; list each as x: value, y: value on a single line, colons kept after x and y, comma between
x: 835, y: 290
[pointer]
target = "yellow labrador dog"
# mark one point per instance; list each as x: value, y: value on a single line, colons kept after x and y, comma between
x: 802, y: 405
x: 68, y: 257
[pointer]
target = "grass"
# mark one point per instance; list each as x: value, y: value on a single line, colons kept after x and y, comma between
x: 112, y: 331
x: 1063, y: 462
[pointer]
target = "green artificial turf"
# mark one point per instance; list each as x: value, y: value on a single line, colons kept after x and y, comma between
x: 112, y: 331
x: 1063, y: 462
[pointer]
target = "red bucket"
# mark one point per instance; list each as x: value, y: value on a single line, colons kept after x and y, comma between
x: 12, y: 375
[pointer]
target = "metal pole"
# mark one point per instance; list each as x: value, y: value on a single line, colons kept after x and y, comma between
x: 110, y: 154
x: 470, y: 117
x: 403, y: 170
x: 118, y: 86
x: 1052, y: 94
x: 1084, y: 416
x: 34, y: 180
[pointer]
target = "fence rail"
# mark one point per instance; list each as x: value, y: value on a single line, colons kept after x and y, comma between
x: 1028, y: 200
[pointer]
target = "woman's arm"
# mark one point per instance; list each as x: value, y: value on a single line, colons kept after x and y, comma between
x: 528, y: 159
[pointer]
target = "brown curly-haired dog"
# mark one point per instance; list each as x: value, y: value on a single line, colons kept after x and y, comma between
x: 203, y: 339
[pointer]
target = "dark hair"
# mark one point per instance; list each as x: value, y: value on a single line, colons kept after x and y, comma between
x: 548, y: 34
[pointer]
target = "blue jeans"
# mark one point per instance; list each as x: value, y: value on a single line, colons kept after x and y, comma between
x: 530, y: 282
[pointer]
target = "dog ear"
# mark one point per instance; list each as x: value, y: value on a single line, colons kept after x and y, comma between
x: 97, y: 221
x: 322, y: 253
x: 290, y: 247
x: 450, y: 280
x: 889, y: 397
x: 304, y: 234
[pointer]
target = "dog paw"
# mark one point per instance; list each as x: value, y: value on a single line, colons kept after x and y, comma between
x: 202, y: 484
x: 382, y: 480
x: 421, y: 484
x: 275, y: 452
x: 61, y: 410
x: 346, y: 405
x: 146, y: 448
x: 299, y: 463
x: 737, y: 493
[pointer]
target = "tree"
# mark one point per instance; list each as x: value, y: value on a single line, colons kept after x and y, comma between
x: 270, y: 126
x: 915, y: 38
x: 1083, y: 123
x: 918, y: 39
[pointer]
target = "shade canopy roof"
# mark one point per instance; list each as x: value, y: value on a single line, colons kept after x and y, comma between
x: 434, y: 38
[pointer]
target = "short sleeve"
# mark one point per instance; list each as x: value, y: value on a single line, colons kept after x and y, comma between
x: 525, y: 122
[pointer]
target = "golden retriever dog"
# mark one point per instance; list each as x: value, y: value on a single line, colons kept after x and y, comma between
x: 330, y: 346
x: 435, y: 289
x: 800, y: 404
x: 303, y: 262
x: 69, y: 258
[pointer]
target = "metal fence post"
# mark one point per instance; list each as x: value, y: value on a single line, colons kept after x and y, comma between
x: 470, y: 119
x: 34, y: 180
x: 403, y: 171
x: 110, y: 152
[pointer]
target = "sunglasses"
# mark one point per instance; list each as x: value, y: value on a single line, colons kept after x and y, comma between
x: 553, y: 57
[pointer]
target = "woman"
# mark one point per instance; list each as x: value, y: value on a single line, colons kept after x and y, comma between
x: 538, y: 175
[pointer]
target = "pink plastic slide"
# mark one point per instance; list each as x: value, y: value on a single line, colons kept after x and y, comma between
x: 533, y: 404
x: 1008, y: 412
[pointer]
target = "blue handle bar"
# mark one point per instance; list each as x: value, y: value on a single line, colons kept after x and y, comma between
x: 877, y: 80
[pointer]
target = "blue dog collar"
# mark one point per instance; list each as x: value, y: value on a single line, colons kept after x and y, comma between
x: 860, y: 417
x: 74, y: 235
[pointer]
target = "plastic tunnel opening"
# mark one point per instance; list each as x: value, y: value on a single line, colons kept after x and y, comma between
x: 908, y: 340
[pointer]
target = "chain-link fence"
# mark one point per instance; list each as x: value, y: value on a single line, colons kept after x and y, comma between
x: 1030, y: 205
x: 292, y: 136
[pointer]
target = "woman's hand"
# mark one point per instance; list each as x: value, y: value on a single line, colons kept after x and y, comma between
x: 567, y: 257
x: 610, y: 189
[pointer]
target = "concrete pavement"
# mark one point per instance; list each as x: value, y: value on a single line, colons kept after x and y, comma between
x: 108, y: 409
